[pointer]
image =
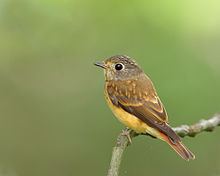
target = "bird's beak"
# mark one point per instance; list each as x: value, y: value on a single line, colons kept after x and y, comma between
x: 100, y: 64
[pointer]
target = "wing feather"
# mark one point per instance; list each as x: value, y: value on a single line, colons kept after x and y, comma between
x: 143, y: 103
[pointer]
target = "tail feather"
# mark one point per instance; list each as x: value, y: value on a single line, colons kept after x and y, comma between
x: 182, y: 150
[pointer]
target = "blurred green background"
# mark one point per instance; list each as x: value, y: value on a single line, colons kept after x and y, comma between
x: 53, y: 117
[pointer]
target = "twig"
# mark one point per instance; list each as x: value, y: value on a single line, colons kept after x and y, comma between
x: 182, y: 131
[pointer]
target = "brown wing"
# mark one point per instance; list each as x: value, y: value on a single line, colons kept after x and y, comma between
x: 138, y: 93
x: 139, y: 98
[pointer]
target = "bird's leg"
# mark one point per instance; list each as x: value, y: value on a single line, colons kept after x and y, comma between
x: 126, y: 132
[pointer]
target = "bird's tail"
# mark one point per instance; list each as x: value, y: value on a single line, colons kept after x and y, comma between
x: 183, y: 151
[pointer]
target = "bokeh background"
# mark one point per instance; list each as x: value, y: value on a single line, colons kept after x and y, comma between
x: 53, y: 117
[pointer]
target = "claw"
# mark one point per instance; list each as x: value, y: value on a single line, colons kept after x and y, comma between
x: 126, y: 132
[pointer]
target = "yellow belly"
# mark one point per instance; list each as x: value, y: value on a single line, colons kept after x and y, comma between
x: 131, y: 121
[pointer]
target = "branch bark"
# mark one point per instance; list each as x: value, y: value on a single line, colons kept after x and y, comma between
x: 182, y: 131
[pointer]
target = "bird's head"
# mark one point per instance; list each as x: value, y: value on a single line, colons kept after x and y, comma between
x: 120, y: 67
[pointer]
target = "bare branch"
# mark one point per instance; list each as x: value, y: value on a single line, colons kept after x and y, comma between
x: 183, y: 130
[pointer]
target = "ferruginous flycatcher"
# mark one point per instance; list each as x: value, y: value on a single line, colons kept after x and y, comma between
x: 133, y: 99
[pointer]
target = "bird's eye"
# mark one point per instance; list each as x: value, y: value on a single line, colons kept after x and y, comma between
x: 119, y: 66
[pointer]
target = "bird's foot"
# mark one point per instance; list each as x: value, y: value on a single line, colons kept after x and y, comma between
x: 126, y: 132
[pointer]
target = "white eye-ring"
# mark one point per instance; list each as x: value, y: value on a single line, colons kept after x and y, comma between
x: 119, y: 66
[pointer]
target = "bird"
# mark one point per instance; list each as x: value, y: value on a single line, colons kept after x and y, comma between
x: 133, y: 99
